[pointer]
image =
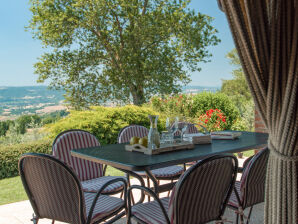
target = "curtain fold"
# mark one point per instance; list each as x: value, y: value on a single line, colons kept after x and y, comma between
x: 265, y: 33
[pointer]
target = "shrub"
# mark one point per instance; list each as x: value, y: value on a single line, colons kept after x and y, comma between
x: 197, y: 105
x: 105, y: 122
x: 10, y: 154
x: 212, y: 120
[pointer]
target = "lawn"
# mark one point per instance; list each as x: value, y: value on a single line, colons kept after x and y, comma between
x: 11, y: 189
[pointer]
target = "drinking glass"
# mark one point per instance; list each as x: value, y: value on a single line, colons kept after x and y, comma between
x: 183, y: 125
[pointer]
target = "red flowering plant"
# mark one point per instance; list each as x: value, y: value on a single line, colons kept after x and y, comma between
x: 213, y: 120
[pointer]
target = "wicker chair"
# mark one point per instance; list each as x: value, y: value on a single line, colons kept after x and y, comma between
x: 91, y: 174
x: 167, y: 173
x: 200, y: 195
x: 249, y: 191
x: 55, y: 192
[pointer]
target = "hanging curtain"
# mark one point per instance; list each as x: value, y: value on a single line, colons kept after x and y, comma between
x: 265, y: 33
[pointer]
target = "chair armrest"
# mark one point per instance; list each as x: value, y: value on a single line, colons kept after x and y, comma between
x: 99, y: 192
x: 151, y: 193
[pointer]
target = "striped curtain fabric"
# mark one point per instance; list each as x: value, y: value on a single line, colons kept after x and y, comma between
x: 76, y: 139
x: 266, y: 37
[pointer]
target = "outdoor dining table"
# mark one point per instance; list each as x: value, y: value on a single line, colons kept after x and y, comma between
x: 116, y: 156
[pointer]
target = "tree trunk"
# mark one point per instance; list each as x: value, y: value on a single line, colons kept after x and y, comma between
x: 138, y: 96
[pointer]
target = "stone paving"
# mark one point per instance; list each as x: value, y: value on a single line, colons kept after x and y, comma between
x: 21, y: 212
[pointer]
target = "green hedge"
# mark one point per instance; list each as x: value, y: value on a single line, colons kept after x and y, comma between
x: 196, y: 105
x: 10, y: 154
x: 105, y: 122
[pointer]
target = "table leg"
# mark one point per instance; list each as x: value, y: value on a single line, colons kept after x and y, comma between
x: 131, y: 173
x: 154, y: 180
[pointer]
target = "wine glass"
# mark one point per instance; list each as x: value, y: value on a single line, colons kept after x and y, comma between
x: 172, y: 127
x: 183, y: 125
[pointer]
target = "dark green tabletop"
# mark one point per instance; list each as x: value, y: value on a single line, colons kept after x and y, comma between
x: 116, y: 155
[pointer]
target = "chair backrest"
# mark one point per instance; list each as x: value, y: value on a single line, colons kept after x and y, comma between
x: 52, y: 188
x: 252, y: 185
x: 127, y: 132
x: 76, y: 139
x: 202, y: 193
x: 191, y: 129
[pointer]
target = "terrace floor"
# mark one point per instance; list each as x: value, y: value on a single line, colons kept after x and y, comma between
x: 21, y: 212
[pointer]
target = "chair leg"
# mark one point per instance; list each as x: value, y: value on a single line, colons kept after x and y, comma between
x: 170, y: 190
x: 158, y: 182
x: 237, y: 218
x: 249, y: 213
x: 53, y: 221
x: 148, y: 185
x: 128, y: 183
x: 241, y: 219
x: 34, y: 219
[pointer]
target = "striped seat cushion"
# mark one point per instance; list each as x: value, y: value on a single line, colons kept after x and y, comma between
x: 169, y: 171
x: 105, y: 205
x: 94, y: 185
x: 77, y: 139
x: 233, y: 198
x: 151, y: 212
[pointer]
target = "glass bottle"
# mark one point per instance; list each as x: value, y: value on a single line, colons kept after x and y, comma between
x: 153, y: 136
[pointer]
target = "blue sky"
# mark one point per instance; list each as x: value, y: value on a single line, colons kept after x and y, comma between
x: 18, y: 50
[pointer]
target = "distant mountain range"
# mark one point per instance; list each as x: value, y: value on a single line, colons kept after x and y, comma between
x: 39, y: 99
x: 29, y: 99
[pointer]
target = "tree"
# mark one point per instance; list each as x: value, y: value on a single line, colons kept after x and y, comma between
x: 238, y: 85
x: 238, y: 91
x: 119, y: 50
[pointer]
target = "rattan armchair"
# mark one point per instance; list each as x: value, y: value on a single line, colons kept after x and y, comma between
x: 200, y: 195
x: 55, y: 192
x: 250, y: 190
x: 91, y: 174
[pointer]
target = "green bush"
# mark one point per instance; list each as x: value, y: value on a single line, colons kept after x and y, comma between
x: 10, y: 154
x: 196, y: 105
x: 105, y: 122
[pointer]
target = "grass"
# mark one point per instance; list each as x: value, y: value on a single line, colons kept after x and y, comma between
x: 11, y: 189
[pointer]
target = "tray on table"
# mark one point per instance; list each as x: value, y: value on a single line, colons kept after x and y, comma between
x: 164, y: 148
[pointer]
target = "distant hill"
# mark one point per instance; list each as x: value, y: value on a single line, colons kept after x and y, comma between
x: 198, y: 89
x: 16, y: 101
x: 29, y: 99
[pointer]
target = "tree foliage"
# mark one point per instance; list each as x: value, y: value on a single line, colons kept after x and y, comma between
x: 238, y: 85
x: 238, y: 91
x: 100, y: 50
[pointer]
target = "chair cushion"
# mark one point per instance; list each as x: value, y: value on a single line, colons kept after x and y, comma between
x: 151, y: 212
x: 105, y: 205
x: 233, y: 198
x: 169, y: 171
x: 94, y: 185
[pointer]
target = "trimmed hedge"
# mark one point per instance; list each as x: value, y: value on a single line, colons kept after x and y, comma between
x: 105, y: 122
x: 10, y: 154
